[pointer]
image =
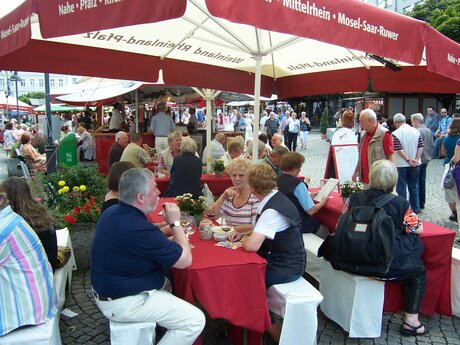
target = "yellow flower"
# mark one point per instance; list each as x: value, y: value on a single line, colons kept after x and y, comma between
x: 60, y: 191
x: 76, y: 189
x: 61, y: 183
x: 65, y: 189
x: 82, y: 187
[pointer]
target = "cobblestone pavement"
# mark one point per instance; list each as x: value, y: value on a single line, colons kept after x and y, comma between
x: 91, y: 327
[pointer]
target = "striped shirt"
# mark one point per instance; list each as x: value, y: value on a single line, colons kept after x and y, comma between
x: 242, y: 215
x: 26, y: 278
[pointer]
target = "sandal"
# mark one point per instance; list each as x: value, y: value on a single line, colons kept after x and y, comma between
x: 412, y: 332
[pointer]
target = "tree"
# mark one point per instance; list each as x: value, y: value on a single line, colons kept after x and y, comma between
x: 443, y: 15
x: 26, y: 98
x: 324, y: 121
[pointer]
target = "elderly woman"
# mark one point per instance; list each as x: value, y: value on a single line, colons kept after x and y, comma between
x: 33, y: 158
x: 166, y: 157
x: 238, y: 205
x: 116, y: 170
x: 276, y: 235
x: 85, y: 145
x: 9, y: 137
x: 407, y: 266
x: 297, y: 191
x: 185, y: 171
x: 36, y: 215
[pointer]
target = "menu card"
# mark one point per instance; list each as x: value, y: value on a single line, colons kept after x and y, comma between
x: 327, y: 189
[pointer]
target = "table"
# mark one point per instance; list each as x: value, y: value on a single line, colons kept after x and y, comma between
x: 437, y: 242
x: 217, y: 184
x: 229, y: 284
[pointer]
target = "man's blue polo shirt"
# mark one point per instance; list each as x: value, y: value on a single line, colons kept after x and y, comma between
x: 129, y: 253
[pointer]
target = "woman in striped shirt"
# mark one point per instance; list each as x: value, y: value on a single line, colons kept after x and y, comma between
x: 238, y: 205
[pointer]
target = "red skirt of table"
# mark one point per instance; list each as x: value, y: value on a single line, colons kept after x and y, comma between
x: 437, y: 256
x: 229, y: 284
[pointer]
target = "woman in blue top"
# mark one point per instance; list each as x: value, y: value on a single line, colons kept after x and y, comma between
x: 447, y: 150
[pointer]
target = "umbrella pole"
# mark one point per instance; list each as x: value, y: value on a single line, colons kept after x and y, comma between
x: 50, y: 149
x: 255, y: 143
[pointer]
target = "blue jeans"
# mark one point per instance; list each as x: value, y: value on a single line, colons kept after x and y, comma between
x: 437, y: 147
x: 276, y: 277
x: 422, y: 186
x: 408, y: 178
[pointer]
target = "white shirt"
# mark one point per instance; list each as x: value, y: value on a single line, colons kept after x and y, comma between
x: 270, y: 221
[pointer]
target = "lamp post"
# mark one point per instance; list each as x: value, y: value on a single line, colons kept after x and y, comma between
x: 16, y: 78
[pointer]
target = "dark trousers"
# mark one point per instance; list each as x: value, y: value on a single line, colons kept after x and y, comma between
x: 414, y: 283
x: 422, y: 185
x: 292, y: 141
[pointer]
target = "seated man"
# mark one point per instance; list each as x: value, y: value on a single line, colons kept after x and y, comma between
x: 277, y: 141
x: 235, y: 150
x: 27, y: 296
x: 121, y: 141
x: 134, y: 153
x: 274, y: 159
x: 215, y: 150
x: 129, y: 255
x: 166, y: 157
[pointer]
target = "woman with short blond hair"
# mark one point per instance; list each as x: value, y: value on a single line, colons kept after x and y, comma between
x: 237, y: 204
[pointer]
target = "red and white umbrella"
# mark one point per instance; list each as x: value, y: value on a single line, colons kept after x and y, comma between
x: 295, y: 47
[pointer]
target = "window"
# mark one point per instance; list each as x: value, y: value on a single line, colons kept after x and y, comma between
x: 23, y: 82
x: 2, y: 83
x: 61, y: 82
x: 32, y: 82
x: 52, y: 83
x: 40, y: 82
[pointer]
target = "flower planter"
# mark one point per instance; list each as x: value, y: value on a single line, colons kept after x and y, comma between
x: 82, y: 235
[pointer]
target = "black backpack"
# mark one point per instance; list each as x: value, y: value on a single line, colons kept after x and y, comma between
x: 364, y: 239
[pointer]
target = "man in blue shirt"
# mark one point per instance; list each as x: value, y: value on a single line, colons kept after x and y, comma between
x: 441, y: 132
x: 128, y: 259
x: 432, y: 120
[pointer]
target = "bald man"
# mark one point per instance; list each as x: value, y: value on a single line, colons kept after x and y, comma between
x: 215, y: 149
x: 376, y: 143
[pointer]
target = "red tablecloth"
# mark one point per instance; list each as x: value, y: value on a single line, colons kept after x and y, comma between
x: 229, y: 284
x: 437, y: 256
x: 217, y: 185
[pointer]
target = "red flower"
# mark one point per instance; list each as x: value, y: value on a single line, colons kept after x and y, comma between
x: 92, y: 201
x: 87, y: 207
x: 76, y: 210
x: 69, y: 219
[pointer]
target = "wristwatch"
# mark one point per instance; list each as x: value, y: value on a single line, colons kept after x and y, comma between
x: 176, y: 223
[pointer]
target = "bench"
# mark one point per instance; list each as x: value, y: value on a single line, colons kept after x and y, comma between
x: 297, y: 303
x: 455, y: 282
x: 22, y: 165
x: 352, y: 301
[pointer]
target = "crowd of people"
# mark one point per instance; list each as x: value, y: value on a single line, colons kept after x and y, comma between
x: 267, y: 206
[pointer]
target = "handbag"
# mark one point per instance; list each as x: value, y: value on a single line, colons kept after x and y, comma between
x: 449, y: 179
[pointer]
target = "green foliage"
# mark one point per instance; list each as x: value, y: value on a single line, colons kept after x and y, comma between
x: 324, y: 121
x: 443, y: 15
x: 218, y: 166
x: 72, y: 194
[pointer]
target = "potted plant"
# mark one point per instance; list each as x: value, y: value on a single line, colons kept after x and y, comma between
x: 324, y: 123
x: 192, y: 207
x: 218, y: 166
x: 348, y: 188
x: 74, y: 196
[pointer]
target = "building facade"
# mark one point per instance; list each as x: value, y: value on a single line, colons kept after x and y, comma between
x: 401, y: 6
x: 33, y: 82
